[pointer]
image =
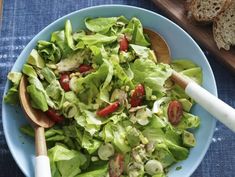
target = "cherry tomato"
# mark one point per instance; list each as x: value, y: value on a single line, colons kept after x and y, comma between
x: 108, y: 109
x: 116, y: 166
x: 64, y: 81
x: 175, y: 112
x: 137, y: 96
x: 123, y: 44
x: 54, y: 115
x: 84, y: 68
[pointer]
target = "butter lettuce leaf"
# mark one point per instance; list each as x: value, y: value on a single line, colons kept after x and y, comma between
x: 69, y: 37
x: 88, y: 87
x: 35, y: 81
x: 58, y: 38
x: 101, y: 24
x: 65, y: 162
x: 150, y: 74
x: 48, y: 51
x: 12, y: 95
x: 72, y: 61
x: 189, y: 121
x: 38, y: 99
x: 35, y: 59
x: 135, y: 30
x: 97, y: 39
x: 188, y: 68
x: 90, y: 143
x: 144, y: 52
x: 124, y: 77
x: 99, y: 171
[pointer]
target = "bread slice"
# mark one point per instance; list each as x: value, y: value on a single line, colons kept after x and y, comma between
x: 224, y: 28
x: 206, y: 10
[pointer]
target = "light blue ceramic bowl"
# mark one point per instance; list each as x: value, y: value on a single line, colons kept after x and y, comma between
x: 181, y: 45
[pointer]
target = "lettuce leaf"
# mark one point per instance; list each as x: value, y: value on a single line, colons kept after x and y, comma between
x: 116, y: 134
x: 88, y: 120
x: 150, y: 74
x: 188, y: 68
x: 90, y: 143
x: 179, y: 153
x: 189, y: 121
x: 35, y: 59
x: 12, y: 95
x: 97, y: 39
x: 27, y: 130
x: 99, y: 171
x: 135, y: 30
x: 68, y: 34
x: 144, y: 52
x: 49, y: 52
x: 104, y: 90
x: 56, y: 93
x: 88, y: 87
x: 101, y: 24
x: 33, y: 80
x: 65, y: 162
x: 53, y: 89
x: 58, y: 38
x: 97, y: 54
x: 48, y: 74
x: 122, y: 75
x: 72, y: 61
x: 164, y: 155
x: 69, y: 37
x: 37, y: 98
x: 29, y: 71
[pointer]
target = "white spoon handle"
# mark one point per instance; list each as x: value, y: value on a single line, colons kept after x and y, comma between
x: 42, y: 162
x: 42, y: 166
x: 220, y: 110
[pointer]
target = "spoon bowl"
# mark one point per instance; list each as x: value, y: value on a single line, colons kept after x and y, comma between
x: 160, y: 46
x: 35, y: 116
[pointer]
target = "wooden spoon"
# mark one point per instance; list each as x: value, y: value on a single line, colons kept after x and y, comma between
x: 209, y: 102
x: 39, y: 121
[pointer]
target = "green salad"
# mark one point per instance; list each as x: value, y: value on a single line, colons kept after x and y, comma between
x: 116, y: 111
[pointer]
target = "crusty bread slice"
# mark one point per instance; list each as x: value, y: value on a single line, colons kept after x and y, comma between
x: 224, y: 28
x: 206, y: 10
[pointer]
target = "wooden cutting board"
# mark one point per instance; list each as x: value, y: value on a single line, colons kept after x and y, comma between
x: 175, y: 10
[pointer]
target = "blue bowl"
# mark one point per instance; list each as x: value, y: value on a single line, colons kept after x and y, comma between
x: 181, y: 45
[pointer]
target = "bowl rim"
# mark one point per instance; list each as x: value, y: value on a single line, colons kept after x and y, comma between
x: 35, y: 38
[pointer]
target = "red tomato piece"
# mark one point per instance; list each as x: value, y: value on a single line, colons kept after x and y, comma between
x: 84, y: 68
x: 108, y: 109
x: 123, y: 44
x: 137, y: 96
x: 54, y: 115
x: 64, y: 81
x: 175, y: 112
x: 116, y: 166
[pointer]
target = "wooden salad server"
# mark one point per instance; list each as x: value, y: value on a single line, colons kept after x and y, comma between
x: 39, y: 121
x: 216, y: 107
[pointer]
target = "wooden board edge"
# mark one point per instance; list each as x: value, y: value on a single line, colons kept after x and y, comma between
x: 218, y: 54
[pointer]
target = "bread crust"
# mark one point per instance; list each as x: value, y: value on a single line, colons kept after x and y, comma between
x: 193, y: 9
x: 222, y: 27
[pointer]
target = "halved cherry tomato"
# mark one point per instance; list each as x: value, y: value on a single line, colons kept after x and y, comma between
x: 116, y: 166
x: 64, y: 81
x: 123, y: 44
x: 84, y: 68
x: 137, y: 96
x: 54, y: 115
x: 108, y: 109
x: 175, y: 112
